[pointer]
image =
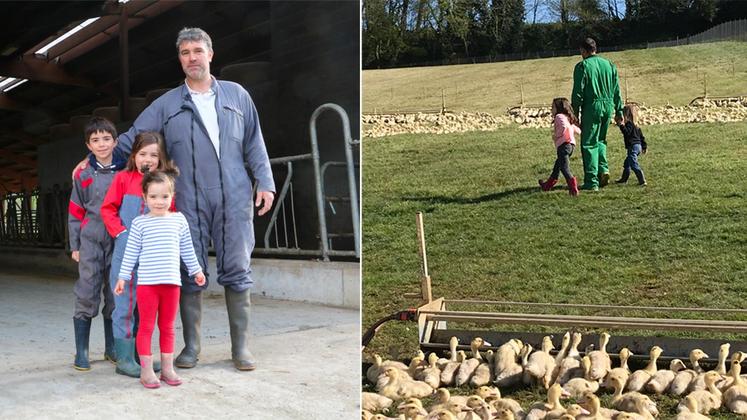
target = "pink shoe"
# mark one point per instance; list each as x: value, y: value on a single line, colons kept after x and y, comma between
x: 172, y: 382
x: 153, y: 385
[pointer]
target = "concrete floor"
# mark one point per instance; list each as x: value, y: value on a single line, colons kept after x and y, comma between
x: 308, y: 357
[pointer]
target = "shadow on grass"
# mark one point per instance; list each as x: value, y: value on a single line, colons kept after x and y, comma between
x: 476, y: 200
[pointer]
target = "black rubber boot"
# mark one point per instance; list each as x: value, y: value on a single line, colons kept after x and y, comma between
x: 190, y: 311
x: 82, y: 333
x: 238, y: 304
x: 109, y: 352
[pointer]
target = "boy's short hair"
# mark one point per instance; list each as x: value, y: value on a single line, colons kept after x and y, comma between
x: 588, y: 45
x: 99, y: 124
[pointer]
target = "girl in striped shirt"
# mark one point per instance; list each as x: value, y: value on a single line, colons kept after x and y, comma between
x: 156, y: 242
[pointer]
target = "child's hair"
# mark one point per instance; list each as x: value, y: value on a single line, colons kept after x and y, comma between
x: 563, y: 106
x: 146, y: 138
x: 167, y: 176
x: 99, y: 124
x: 630, y: 113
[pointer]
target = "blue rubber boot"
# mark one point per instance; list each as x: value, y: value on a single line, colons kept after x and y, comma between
x: 109, y: 353
x: 82, y: 333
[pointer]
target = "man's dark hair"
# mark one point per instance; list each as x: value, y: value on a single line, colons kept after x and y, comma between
x: 588, y: 45
x: 99, y: 124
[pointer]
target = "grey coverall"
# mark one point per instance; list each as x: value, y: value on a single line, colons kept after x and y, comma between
x: 215, y: 195
x: 89, y: 236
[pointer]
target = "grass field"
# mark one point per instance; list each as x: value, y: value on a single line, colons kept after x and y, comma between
x: 655, y: 77
x: 492, y: 234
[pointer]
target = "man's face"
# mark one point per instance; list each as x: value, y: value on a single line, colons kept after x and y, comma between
x: 195, y: 58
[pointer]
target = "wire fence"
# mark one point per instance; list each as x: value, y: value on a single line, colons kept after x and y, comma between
x: 735, y: 30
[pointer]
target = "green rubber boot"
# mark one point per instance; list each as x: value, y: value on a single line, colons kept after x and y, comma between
x: 190, y: 309
x: 125, y: 348
x: 238, y: 304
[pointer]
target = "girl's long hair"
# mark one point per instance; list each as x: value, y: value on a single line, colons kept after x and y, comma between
x: 563, y: 106
x: 630, y: 113
x: 146, y: 138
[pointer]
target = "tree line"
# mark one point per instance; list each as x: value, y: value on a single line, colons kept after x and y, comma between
x: 404, y: 32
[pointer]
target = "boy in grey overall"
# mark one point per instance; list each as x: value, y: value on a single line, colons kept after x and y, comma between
x: 90, y: 244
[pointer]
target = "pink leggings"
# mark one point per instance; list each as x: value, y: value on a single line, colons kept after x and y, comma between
x: 161, y: 298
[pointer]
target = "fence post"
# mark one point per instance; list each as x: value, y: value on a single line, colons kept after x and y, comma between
x: 443, y: 100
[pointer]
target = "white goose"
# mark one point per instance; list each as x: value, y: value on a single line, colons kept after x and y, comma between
x: 541, y: 365
x: 623, y: 371
x: 639, y: 378
x: 662, y: 379
x: 467, y: 368
x: 600, y: 360
x: 570, y: 366
x: 631, y: 401
x: 507, y: 371
x: 684, y: 378
x: 735, y: 398
x: 576, y: 387
x: 708, y: 399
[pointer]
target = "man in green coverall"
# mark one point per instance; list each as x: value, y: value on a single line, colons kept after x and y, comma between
x: 596, y: 93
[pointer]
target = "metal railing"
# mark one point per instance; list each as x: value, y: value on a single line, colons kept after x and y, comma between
x: 352, y: 181
x: 40, y: 218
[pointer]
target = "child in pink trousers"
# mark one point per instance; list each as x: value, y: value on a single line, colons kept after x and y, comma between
x: 565, y: 127
x: 156, y: 243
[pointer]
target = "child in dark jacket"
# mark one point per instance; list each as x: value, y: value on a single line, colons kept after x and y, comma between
x: 635, y: 144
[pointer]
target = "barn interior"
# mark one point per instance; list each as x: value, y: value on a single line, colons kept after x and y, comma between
x: 62, y: 62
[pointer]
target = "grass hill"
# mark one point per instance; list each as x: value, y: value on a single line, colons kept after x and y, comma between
x: 657, y: 76
x: 492, y: 234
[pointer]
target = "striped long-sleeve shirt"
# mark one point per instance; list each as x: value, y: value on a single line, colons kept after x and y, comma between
x: 156, y: 243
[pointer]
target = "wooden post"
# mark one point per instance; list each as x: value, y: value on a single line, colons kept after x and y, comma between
x: 425, y: 283
x: 705, y: 86
x: 626, y: 90
x: 521, y: 87
x: 443, y: 100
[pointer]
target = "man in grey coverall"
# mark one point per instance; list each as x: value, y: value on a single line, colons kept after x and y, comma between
x: 212, y: 133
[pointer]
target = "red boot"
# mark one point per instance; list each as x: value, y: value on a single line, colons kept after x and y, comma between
x: 547, y: 185
x: 573, y: 187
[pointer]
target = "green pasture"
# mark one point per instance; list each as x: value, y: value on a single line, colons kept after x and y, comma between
x: 492, y: 234
x: 657, y: 76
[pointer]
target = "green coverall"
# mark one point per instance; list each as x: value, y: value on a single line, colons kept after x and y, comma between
x: 596, y: 93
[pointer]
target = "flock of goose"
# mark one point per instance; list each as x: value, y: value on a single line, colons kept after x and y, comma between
x: 567, y: 374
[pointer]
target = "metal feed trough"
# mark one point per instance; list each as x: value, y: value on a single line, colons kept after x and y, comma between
x: 436, y: 320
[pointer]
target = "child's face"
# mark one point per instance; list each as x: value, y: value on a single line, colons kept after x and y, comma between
x: 158, y: 198
x: 101, y: 144
x: 147, y: 157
